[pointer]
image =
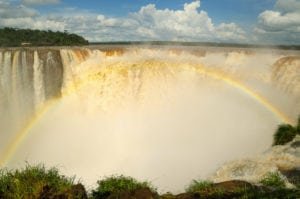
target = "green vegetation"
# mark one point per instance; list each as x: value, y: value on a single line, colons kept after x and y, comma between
x: 286, y: 133
x: 198, y: 186
x: 118, y: 185
x: 12, y: 37
x: 34, y: 182
x: 205, y: 188
x: 31, y: 181
x: 273, y: 179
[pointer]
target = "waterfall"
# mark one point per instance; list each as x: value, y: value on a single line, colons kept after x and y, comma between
x: 6, y: 78
x: 145, y: 112
x: 26, y: 83
x: 27, y: 80
x: 286, y: 74
x: 38, y: 83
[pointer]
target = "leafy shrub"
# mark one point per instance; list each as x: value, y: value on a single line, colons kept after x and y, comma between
x: 273, y: 179
x: 198, y: 186
x: 284, y: 134
x: 117, y: 185
x: 30, y: 181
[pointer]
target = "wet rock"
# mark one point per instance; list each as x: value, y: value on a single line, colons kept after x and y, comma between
x: 222, y: 190
x: 295, y: 144
x: 74, y: 192
x: 233, y: 185
x: 293, y: 176
x: 181, y: 196
x: 143, y: 193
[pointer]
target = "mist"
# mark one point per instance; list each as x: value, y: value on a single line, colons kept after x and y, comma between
x: 150, y: 114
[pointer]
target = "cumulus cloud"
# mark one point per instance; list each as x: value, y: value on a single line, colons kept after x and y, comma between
x: 40, y: 2
x: 187, y: 24
x: 276, y: 21
x: 148, y: 23
x: 282, y: 24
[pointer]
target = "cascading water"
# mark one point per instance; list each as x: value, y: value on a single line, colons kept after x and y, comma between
x: 168, y: 115
x: 38, y: 84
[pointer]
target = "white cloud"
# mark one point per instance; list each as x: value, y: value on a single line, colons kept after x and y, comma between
x: 276, y: 21
x: 188, y: 24
x: 192, y: 7
x: 281, y: 25
x: 40, y: 2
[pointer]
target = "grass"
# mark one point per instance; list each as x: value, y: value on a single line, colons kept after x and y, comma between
x: 30, y: 181
x: 206, y: 189
x: 273, y: 179
x: 117, y: 185
x: 198, y: 185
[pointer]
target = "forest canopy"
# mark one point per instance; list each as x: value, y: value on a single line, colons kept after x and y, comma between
x: 12, y: 37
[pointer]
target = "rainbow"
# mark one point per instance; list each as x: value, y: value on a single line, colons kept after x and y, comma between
x: 214, y: 74
x: 256, y: 96
x: 20, y: 136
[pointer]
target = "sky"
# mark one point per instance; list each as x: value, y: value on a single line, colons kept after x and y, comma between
x: 237, y: 21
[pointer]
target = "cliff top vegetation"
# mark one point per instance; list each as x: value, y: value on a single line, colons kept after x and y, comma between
x: 12, y: 37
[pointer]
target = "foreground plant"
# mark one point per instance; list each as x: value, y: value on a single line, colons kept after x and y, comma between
x: 32, y: 181
x: 198, y: 185
x: 273, y: 179
x: 286, y: 133
x: 117, y: 185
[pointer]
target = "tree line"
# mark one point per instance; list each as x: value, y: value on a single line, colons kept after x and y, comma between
x: 13, y: 37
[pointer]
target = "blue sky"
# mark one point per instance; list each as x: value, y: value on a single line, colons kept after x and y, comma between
x: 220, y: 10
x: 241, y: 11
x: 241, y: 21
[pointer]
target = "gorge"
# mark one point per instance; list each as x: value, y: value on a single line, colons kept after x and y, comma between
x: 167, y: 114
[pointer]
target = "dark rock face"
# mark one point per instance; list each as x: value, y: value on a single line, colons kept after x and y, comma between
x: 78, y: 191
x: 228, y: 189
x: 295, y: 144
x: 233, y: 185
x: 182, y: 196
x: 237, y: 189
x: 293, y: 176
x: 52, y: 72
x: 143, y: 193
x: 75, y: 192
